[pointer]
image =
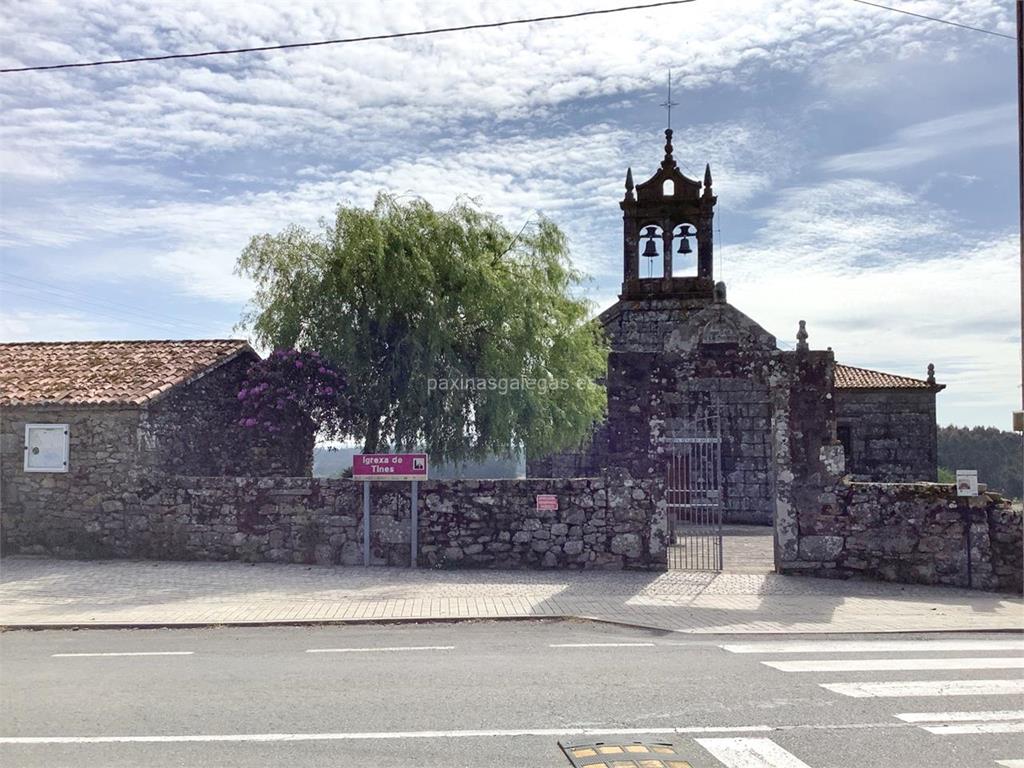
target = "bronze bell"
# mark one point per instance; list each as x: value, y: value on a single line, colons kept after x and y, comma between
x: 684, y: 239
x: 650, y: 252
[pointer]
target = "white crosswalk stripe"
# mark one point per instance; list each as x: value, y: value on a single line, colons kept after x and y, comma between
x: 876, y: 665
x: 960, y: 717
x: 1010, y: 763
x: 750, y: 753
x: 875, y: 646
x: 966, y: 723
x: 964, y: 729
x: 928, y: 688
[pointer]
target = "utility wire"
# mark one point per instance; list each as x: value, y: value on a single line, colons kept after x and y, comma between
x: 934, y: 18
x: 64, y: 295
x: 444, y: 30
x: 343, y: 40
x: 70, y: 304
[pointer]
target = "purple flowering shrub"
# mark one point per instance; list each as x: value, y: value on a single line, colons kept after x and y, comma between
x: 291, y: 388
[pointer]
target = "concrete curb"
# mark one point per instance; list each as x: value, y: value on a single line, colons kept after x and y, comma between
x: 77, y: 626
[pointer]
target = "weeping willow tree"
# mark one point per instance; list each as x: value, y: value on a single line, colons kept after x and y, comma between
x: 456, y: 335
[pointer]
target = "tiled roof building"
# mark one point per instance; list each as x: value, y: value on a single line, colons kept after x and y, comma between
x: 76, y: 418
x: 849, y: 377
x: 106, y: 372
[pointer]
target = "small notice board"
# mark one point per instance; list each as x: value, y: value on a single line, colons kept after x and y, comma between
x: 967, y: 482
x: 547, y: 501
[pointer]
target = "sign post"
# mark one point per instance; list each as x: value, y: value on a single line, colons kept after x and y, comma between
x: 390, y: 467
x: 967, y: 486
x: 415, y: 524
x: 366, y: 523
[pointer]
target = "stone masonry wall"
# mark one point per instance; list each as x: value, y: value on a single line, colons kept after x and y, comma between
x: 608, y: 522
x: 103, y: 447
x: 891, y: 433
x: 194, y: 430
x: 912, y: 532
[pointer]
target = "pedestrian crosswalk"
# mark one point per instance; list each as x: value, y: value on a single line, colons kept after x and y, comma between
x: 874, y: 646
x: 899, y: 688
x: 880, y: 665
x: 981, y: 667
x: 750, y: 753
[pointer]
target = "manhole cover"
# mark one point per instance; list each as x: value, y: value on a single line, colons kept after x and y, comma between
x: 623, y: 754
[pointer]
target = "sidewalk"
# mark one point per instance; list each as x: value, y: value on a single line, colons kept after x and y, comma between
x: 36, y: 592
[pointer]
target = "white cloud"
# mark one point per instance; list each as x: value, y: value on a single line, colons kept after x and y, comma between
x: 934, y: 139
x: 576, y: 179
x: 161, y: 172
x: 51, y: 326
x: 858, y: 261
x: 371, y: 93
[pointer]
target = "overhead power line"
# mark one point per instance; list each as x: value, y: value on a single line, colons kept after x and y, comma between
x: 43, y: 292
x: 343, y: 40
x: 444, y: 30
x: 935, y: 18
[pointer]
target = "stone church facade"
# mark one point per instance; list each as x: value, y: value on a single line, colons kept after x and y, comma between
x: 678, y: 348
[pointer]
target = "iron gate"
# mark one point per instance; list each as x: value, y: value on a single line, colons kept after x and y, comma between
x: 694, y: 492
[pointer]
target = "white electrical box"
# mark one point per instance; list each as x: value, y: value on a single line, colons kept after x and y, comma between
x: 46, y: 447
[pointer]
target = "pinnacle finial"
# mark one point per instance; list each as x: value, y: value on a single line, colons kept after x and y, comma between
x: 629, y: 179
x: 801, y: 337
x: 931, y: 374
x: 707, y: 175
x: 668, y: 143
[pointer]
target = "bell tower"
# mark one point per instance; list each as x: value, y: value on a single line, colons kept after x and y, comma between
x: 659, y: 216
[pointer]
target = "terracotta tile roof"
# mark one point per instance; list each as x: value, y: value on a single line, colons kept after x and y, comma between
x: 849, y: 377
x: 104, y: 372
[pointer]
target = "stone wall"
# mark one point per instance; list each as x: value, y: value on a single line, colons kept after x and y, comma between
x: 889, y: 434
x: 912, y: 532
x: 103, y: 447
x: 607, y: 522
x: 805, y: 455
x: 193, y: 430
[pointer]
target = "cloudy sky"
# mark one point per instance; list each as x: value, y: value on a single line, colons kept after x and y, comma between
x: 864, y: 160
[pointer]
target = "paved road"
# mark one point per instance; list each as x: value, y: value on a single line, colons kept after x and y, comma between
x: 503, y: 694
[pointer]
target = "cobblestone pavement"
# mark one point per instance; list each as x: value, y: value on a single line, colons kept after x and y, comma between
x: 45, y: 592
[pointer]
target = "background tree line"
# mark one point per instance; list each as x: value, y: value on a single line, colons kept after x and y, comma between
x: 996, y: 455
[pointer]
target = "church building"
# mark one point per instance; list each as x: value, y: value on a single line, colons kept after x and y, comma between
x: 688, y: 369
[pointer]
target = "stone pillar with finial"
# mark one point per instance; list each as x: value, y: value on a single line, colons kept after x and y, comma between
x: 801, y: 338
x: 931, y: 374
x: 630, y: 240
x: 705, y: 224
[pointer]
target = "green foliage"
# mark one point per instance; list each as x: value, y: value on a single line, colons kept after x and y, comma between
x: 994, y: 453
x: 407, y: 299
x: 946, y: 475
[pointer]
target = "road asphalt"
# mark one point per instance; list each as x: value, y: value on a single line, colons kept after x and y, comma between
x: 504, y: 694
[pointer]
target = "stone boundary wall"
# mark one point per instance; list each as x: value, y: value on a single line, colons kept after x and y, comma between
x: 609, y: 522
x: 910, y: 532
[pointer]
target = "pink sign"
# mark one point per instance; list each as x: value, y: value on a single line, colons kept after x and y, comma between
x: 389, y: 466
x: 547, y: 501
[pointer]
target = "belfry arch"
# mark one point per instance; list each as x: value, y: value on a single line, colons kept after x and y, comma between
x: 667, y: 202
